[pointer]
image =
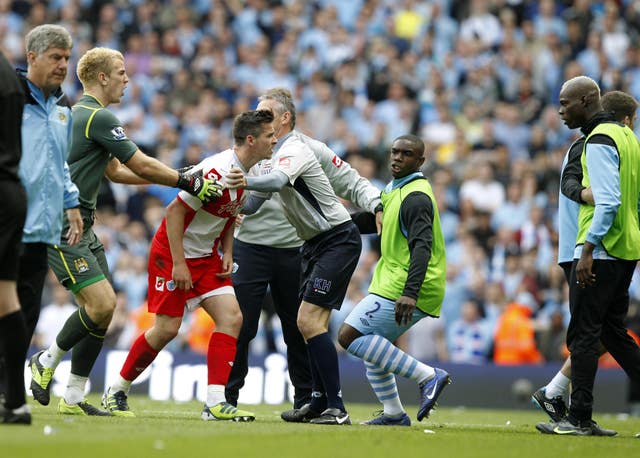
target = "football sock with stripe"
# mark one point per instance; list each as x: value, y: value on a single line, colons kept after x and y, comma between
x: 385, y: 388
x: 86, y: 352
x: 74, y: 329
x: 378, y: 351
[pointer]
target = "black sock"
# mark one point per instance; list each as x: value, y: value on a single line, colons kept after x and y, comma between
x: 323, y: 352
x: 77, y: 326
x: 318, y: 399
x: 85, y: 353
x: 13, y: 341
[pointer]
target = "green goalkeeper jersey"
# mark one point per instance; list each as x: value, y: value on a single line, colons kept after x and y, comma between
x: 97, y: 136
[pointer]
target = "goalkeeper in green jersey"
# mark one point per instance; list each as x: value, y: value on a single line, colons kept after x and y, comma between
x: 100, y: 147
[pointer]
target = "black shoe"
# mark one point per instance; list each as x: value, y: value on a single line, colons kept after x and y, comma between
x: 554, y: 407
x: 19, y: 416
x: 301, y: 415
x: 563, y: 428
x: 332, y: 416
x: 596, y: 430
x: 40, y: 379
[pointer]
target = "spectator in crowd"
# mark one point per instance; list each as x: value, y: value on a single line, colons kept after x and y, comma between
x: 470, y: 338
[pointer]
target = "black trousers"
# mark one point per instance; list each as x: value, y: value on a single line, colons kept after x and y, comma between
x: 33, y: 271
x: 597, y: 315
x: 262, y: 267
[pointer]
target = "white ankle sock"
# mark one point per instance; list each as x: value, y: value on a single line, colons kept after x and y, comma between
x: 75, y: 389
x: 52, y: 356
x: 558, y: 386
x: 215, y: 395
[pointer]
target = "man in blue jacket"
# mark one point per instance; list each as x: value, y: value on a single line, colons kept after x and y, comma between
x: 46, y: 139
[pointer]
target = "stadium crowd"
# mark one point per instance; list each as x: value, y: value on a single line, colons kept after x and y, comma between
x: 477, y: 80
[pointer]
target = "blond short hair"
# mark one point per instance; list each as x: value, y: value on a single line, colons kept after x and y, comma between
x: 94, y: 61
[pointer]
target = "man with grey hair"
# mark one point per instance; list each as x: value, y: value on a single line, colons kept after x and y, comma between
x: 46, y: 139
x: 269, y: 261
x: 100, y: 148
x: 329, y: 253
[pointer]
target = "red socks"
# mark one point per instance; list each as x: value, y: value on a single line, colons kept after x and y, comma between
x: 220, y: 357
x: 139, y: 357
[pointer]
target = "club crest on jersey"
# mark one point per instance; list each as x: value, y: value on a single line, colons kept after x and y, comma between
x: 171, y: 285
x: 118, y: 133
x: 81, y: 265
x: 284, y: 162
x: 265, y: 167
x: 62, y: 117
x: 159, y: 283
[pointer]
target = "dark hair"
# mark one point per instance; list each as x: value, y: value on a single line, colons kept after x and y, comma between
x: 250, y: 123
x: 620, y: 104
x: 417, y: 141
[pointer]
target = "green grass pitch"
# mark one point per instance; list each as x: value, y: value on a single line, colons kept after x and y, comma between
x: 168, y: 429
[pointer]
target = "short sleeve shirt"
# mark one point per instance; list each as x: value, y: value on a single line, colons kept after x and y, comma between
x: 206, y: 224
x: 97, y: 136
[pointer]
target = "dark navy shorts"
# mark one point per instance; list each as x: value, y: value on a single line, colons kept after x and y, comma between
x: 328, y: 261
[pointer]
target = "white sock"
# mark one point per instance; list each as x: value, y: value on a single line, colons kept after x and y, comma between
x: 120, y: 385
x: 558, y: 386
x: 424, y: 372
x: 52, y: 356
x: 75, y: 389
x: 24, y: 408
x: 215, y: 395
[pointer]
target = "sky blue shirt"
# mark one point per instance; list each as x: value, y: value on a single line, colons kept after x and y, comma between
x: 46, y: 139
x: 603, y: 164
x: 567, y: 223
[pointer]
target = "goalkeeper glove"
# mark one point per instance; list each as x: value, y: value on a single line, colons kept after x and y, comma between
x: 194, y: 183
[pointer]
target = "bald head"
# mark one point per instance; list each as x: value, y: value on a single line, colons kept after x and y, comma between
x: 579, y: 101
x: 582, y: 85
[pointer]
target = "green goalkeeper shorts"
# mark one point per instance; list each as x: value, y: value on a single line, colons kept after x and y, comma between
x: 80, y: 265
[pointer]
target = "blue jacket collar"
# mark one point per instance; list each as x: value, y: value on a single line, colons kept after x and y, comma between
x: 31, y: 89
x: 400, y: 182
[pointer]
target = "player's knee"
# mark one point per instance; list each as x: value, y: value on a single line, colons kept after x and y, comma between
x: 100, y: 308
x: 308, y: 328
x: 167, y: 331
x: 229, y: 322
x: 235, y: 321
x: 345, y: 336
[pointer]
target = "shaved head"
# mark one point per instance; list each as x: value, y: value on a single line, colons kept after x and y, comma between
x: 579, y: 101
x: 582, y: 85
